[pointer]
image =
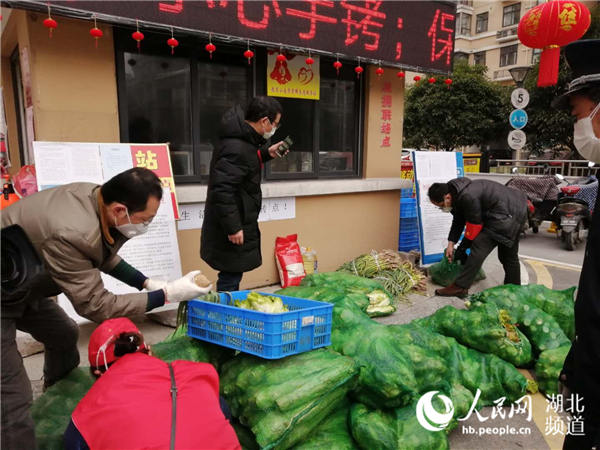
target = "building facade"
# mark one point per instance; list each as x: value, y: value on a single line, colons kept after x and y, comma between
x: 344, y: 170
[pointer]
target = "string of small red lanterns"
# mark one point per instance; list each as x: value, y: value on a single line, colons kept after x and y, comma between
x: 138, y: 36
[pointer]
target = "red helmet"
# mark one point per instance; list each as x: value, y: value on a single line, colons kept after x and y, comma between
x: 101, y: 349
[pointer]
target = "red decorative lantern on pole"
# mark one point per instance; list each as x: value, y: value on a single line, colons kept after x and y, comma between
x: 50, y: 23
x: 248, y: 54
x: 549, y: 26
x: 210, y: 47
x: 172, y: 42
x: 137, y: 35
x: 416, y: 78
x: 401, y: 74
x: 379, y: 71
x: 96, y: 32
x: 431, y: 80
x: 448, y: 82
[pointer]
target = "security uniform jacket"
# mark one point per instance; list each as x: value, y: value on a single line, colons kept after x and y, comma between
x: 485, y: 205
x: 70, y: 235
x: 234, y: 197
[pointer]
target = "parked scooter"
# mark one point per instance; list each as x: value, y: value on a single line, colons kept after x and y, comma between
x: 573, y: 216
x: 542, y: 194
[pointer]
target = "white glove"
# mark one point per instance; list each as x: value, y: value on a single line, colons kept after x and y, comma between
x: 154, y: 285
x: 184, y: 288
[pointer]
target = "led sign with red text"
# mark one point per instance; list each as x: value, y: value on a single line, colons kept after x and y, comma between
x: 414, y: 33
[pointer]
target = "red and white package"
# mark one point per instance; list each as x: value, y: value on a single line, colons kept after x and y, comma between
x: 289, y: 260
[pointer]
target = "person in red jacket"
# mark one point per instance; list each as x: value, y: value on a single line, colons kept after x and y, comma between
x: 140, y: 401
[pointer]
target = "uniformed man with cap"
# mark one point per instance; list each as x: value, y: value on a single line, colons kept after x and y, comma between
x: 581, y: 371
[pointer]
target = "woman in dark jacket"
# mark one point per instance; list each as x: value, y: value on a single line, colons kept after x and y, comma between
x: 230, y: 241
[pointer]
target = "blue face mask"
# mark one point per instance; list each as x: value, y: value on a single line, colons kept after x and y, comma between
x: 130, y: 230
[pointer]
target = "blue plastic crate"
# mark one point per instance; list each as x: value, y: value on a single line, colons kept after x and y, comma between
x: 409, y: 225
x: 407, y: 193
x: 408, y: 247
x: 408, y: 208
x: 306, y: 326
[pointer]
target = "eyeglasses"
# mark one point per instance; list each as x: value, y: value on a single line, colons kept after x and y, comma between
x: 275, y: 125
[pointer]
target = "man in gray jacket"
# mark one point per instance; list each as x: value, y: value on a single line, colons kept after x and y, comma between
x: 76, y: 231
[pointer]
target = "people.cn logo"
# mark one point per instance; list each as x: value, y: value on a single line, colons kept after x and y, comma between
x: 429, y: 417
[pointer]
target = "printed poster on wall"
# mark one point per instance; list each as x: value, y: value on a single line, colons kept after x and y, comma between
x: 434, y: 224
x: 293, y: 77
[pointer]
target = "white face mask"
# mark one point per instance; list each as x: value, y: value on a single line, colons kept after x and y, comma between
x: 269, y: 134
x: 446, y: 208
x: 584, y: 138
x: 130, y: 230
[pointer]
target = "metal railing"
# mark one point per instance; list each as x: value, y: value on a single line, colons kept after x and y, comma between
x: 566, y: 167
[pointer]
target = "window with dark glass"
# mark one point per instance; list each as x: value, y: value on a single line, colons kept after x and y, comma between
x: 479, y: 58
x: 508, y: 55
x: 325, y: 132
x: 461, y: 56
x: 481, y: 22
x: 181, y: 98
x: 463, y: 24
x: 511, y: 15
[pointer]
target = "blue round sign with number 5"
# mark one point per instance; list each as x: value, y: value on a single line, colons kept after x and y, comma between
x: 518, y: 119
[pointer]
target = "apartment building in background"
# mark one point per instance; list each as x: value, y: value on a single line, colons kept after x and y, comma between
x: 486, y: 34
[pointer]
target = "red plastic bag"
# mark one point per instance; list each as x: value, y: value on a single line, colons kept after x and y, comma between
x: 25, y: 181
x: 289, y: 260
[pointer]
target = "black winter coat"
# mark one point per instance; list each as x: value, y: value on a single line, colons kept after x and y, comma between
x: 500, y: 209
x: 234, y: 197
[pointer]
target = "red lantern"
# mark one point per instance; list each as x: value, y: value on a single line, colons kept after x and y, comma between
x: 358, y: 70
x: 448, y: 81
x: 248, y: 54
x: 337, y: 65
x: 431, y: 80
x: 400, y: 74
x: 96, y: 33
x: 549, y: 26
x: 416, y: 78
x: 51, y: 24
x: 309, y: 61
x: 379, y: 71
x: 210, y: 48
x: 281, y: 57
x: 172, y: 42
x: 138, y: 36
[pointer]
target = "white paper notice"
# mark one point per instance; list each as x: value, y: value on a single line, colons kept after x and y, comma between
x: 433, y: 167
x: 58, y: 163
x: 436, y: 223
x: 438, y: 165
x: 281, y: 208
x: 116, y: 158
x: 191, y: 216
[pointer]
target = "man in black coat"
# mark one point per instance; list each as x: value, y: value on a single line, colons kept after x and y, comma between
x: 494, y: 215
x: 581, y: 370
x: 230, y: 241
